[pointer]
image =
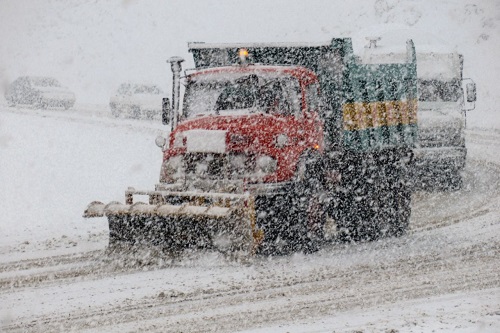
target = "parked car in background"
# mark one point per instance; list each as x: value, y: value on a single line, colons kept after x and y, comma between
x: 139, y: 101
x: 40, y: 92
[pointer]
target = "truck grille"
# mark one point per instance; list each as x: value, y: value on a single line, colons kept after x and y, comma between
x: 219, y: 166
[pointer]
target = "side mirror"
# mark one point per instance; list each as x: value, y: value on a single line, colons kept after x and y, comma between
x: 469, y: 90
x: 161, y: 142
x: 166, y: 111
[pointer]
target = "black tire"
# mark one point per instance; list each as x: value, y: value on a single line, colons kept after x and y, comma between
x: 274, y: 216
x: 375, y: 199
x: 453, y: 181
x: 297, y: 217
x: 401, y: 221
x: 442, y: 179
x: 358, y: 212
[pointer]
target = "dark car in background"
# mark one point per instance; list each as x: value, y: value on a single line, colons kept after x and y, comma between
x: 138, y: 101
x: 40, y: 92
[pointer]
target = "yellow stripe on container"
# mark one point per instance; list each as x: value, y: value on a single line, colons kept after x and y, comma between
x: 364, y: 115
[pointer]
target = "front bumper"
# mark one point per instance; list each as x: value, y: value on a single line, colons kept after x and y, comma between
x: 439, y: 158
x: 235, y: 187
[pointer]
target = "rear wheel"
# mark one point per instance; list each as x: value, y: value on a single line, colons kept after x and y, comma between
x: 452, y: 181
x: 375, y: 199
x: 399, y: 224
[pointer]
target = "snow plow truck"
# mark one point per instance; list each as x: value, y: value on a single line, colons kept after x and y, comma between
x: 277, y: 148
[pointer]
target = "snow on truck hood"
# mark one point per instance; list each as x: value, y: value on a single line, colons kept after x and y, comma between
x: 205, y: 141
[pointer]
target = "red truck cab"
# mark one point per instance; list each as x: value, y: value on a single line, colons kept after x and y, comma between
x: 243, y: 125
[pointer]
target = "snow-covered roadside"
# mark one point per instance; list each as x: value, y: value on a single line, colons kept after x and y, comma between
x: 53, y: 164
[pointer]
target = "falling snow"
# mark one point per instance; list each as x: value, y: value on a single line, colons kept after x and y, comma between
x: 56, y: 273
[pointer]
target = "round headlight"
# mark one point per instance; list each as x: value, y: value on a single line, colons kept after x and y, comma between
x: 171, y: 169
x: 265, y: 165
x: 161, y: 141
x: 281, y: 141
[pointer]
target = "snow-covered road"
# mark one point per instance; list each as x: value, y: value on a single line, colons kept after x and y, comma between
x: 55, y: 275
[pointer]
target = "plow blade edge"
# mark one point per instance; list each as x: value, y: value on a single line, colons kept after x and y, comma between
x: 207, y: 220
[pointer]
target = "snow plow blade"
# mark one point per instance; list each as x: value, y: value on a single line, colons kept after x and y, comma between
x: 179, y: 220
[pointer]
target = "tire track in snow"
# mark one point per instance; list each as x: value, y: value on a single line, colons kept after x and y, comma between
x: 474, y: 268
x: 431, y: 210
x: 27, y: 264
x: 44, y: 272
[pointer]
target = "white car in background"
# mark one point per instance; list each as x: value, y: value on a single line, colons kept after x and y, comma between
x: 138, y: 101
x: 40, y: 92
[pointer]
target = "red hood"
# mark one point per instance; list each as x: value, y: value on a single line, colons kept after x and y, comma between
x: 259, y: 134
x: 256, y: 131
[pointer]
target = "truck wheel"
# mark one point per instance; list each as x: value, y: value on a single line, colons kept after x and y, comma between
x: 275, y: 214
x: 400, y: 191
x: 453, y: 181
x: 375, y: 200
x: 359, y: 200
x: 307, y: 233
x: 358, y: 221
x: 400, y: 219
x: 293, y: 221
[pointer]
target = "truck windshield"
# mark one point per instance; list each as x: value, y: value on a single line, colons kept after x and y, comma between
x: 439, y: 91
x: 242, y: 95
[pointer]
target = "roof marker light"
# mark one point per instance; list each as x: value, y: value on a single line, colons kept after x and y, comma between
x: 243, y: 54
